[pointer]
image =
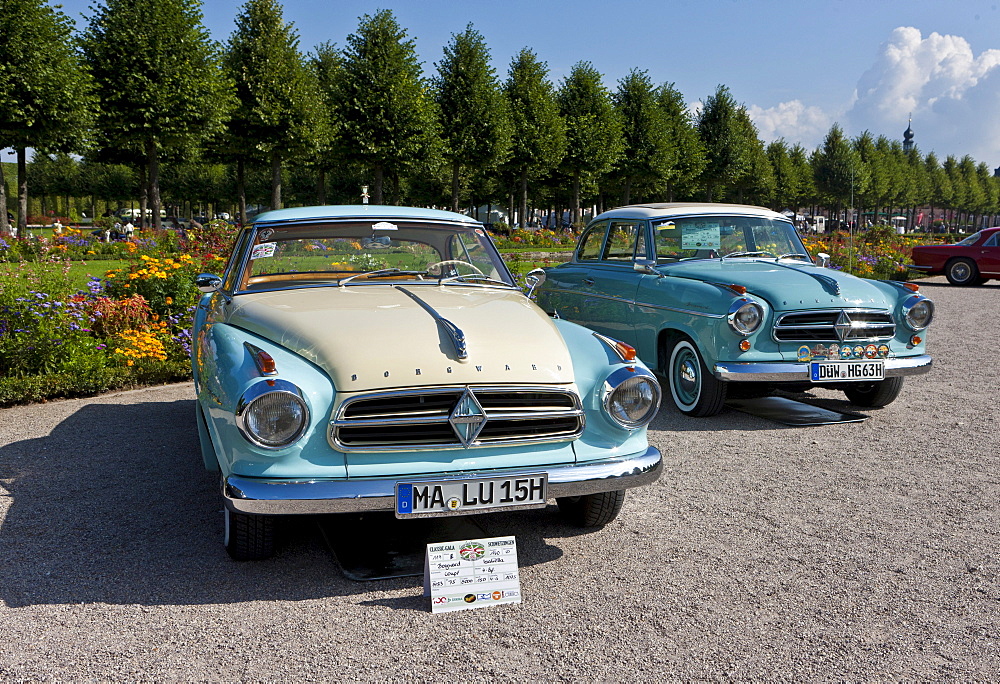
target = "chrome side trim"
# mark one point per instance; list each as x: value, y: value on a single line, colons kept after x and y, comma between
x: 302, y: 497
x: 637, y: 303
x: 799, y: 372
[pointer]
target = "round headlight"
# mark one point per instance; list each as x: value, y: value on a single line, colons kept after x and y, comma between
x: 633, y: 399
x: 745, y: 317
x: 918, y: 311
x: 271, y: 416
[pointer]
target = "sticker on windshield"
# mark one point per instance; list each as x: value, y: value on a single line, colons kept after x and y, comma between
x: 383, y: 225
x: 700, y: 235
x: 263, y: 250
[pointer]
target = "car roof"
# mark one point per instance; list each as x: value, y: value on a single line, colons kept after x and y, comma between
x: 667, y: 209
x: 360, y: 211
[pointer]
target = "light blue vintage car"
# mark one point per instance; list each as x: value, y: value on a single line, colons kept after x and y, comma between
x: 722, y: 299
x: 364, y: 358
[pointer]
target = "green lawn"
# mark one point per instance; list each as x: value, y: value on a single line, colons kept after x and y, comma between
x: 79, y: 272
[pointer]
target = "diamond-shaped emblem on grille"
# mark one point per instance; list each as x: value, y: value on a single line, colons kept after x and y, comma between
x: 467, y: 418
x: 843, y: 326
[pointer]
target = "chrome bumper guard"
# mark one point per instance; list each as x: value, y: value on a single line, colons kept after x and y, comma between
x: 290, y: 497
x: 799, y: 372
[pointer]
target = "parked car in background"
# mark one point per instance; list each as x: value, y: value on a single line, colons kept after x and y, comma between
x: 723, y: 299
x: 971, y: 261
x: 365, y: 358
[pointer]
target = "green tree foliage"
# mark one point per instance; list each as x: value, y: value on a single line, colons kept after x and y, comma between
x: 805, y: 186
x: 276, y: 112
x: 385, y: 116
x: 539, y: 135
x: 45, y: 92
x: 157, y: 71
x: 686, y: 159
x: 838, y: 169
x: 757, y: 184
x: 732, y: 149
x: 471, y: 109
x: 647, y: 155
x: 327, y: 66
x: 593, y: 130
x: 786, y: 179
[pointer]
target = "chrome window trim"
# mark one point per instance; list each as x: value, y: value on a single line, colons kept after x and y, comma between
x: 259, y: 389
x: 339, y: 421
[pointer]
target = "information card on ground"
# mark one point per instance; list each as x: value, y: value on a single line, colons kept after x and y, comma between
x: 471, y: 574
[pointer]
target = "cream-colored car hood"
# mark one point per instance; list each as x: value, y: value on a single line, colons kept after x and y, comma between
x: 370, y: 337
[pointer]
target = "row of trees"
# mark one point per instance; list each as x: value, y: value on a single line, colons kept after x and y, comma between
x: 257, y: 120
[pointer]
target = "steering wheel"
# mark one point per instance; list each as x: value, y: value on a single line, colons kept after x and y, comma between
x: 449, y: 262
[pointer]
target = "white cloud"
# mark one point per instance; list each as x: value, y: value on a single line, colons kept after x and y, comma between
x: 953, y: 95
x: 793, y: 121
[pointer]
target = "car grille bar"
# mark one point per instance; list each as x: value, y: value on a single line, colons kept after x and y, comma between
x: 834, y: 325
x: 426, y: 418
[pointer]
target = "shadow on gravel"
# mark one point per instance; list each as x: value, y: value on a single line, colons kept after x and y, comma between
x: 114, y: 506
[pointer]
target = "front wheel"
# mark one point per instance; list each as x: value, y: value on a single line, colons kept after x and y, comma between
x: 592, y: 510
x: 249, y: 537
x: 695, y: 391
x: 963, y: 272
x: 874, y: 394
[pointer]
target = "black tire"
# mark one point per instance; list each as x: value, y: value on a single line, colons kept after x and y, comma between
x: 592, y: 510
x: 695, y: 391
x: 963, y: 272
x: 874, y: 394
x: 249, y: 537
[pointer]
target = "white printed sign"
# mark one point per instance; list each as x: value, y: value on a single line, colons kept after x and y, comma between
x: 471, y: 574
x: 263, y: 250
x: 701, y: 235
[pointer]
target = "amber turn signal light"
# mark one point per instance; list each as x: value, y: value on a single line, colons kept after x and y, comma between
x: 745, y: 345
x: 738, y: 289
x: 912, y: 287
x: 915, y: 340
x: 265, y: 362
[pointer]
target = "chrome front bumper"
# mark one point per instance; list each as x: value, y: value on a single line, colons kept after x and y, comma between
x: 799, y: 372
x: 290, y: 497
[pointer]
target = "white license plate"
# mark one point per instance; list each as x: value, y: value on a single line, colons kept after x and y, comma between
x: 847, y: 371
x: 457, y: 497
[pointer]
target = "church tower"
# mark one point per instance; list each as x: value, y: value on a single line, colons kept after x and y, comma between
x: 908, y: 135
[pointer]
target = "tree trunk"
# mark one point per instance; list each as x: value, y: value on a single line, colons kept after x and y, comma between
x: 241, y: 188
x: 276, y: 179
x: 4, y: 223
x: 154, y: 181
x: 22, y: 193
x: 379, y: 181
x: 576, y: 197
x: 454, y: 185
x: 522, y: 200
x: 627, y: 190
x: 321, y: 187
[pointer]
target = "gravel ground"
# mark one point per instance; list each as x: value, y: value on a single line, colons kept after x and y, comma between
x: 846, y: 552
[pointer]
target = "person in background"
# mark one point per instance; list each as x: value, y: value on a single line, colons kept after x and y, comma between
x: 128, y: 229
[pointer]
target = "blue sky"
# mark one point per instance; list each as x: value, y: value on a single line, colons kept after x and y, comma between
x: 798, y: 65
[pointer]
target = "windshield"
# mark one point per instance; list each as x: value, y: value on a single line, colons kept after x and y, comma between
x: 371, y: 252
x: 708, y: 237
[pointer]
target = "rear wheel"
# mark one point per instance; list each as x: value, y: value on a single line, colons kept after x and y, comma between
x: 695, y: 391
x: 874, y: 394
x: 249, y: 537
x: 963, y: 272
x: 592, y: 510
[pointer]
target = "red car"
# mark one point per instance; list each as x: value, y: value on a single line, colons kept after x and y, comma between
x: 972, y: 261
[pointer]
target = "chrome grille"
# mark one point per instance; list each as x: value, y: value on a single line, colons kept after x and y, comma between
x: 426, y: 418
x: 834, y: 325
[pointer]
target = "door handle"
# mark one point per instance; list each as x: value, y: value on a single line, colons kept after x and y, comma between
x: 589, y: 281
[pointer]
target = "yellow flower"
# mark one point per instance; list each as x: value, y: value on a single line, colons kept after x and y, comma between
x: 170, y: 300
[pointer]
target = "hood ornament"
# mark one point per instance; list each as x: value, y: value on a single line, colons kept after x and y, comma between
x: 456, y: 335
x: 831, y: 285
x: 467, y: 418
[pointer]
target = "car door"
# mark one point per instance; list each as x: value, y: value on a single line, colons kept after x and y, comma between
x: 988, y: 258
x: 567, y: 285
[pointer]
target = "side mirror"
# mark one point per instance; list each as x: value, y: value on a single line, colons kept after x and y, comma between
x: 822, y: 260
x: 535, y: 277
x: 645, y: 266
x: 208, y: 282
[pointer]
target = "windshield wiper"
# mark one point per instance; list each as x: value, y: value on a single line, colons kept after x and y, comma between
x: 745, y: 254
x: 796, y: 254
x: 472, y: 276
x: 381, y: 273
